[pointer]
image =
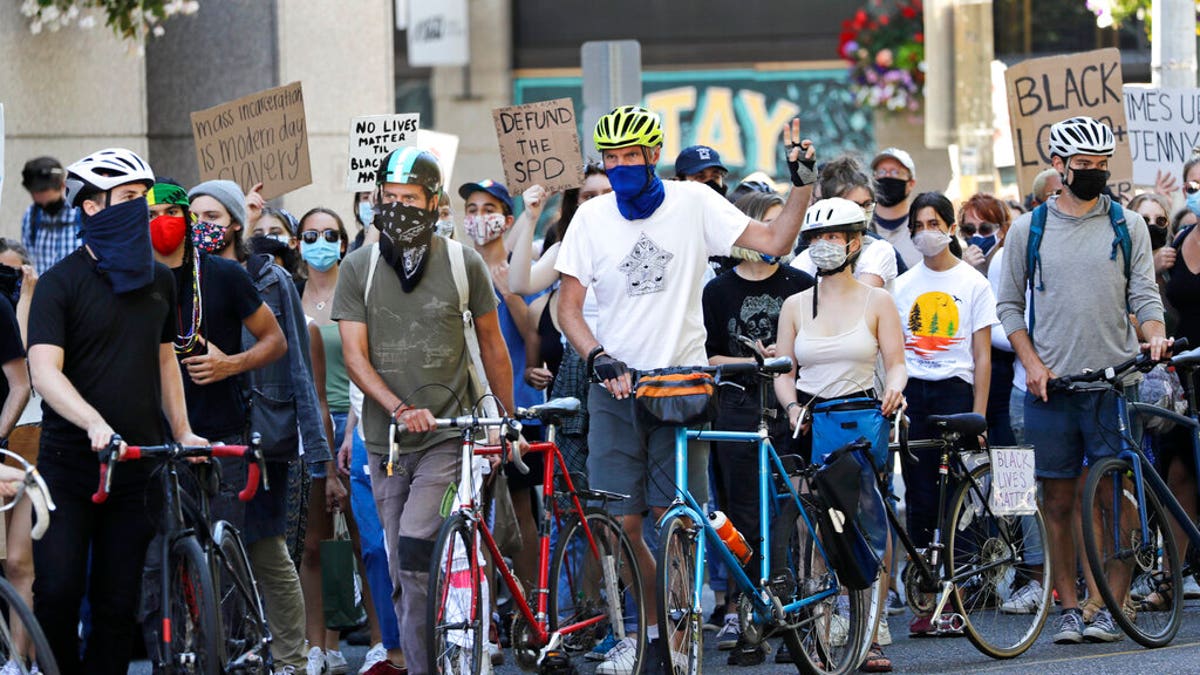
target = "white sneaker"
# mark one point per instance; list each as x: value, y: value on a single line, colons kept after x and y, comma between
x: 285, y: 670
x: 336, y: 662
x: 374, y: 655
x: 620, y: 660
x: 1025, y: 600
x: 727, y: 637
x: 883, y: 635
x: 317, y: 665
x: 1191, y: 590
x: 11, y: 668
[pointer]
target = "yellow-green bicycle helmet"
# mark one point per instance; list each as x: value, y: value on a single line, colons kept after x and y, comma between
x: 628, y: 125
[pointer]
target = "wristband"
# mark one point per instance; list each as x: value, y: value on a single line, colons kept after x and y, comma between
x: 803, y: 171
x: 596, y: 351
x: 400, y: 409
x: 793, y: 403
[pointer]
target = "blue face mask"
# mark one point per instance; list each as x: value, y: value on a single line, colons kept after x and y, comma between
x: 1193, y: 203
x: 985, y: 244
x: 321, y: 254
x: 638, y: 188
x: 119, y: 236
x: 366, y: 213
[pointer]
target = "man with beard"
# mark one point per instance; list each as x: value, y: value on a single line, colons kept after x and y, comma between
x: 397, y: 307
x: 50, y: 228
x: 895, y: 177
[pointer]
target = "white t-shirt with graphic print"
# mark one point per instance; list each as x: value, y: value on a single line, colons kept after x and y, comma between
x: 939, y: 312
x: 648, y: 274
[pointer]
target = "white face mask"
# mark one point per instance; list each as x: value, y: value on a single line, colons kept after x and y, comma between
x: 444, y: 227
x: 827, y: 255
x: 931, y: 242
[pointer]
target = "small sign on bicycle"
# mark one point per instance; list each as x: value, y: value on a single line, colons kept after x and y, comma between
x: 1014, y: 485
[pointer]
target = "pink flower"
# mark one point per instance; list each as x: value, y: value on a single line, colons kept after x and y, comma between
x: 884, y: 58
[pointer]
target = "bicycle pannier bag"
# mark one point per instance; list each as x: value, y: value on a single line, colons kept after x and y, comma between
x: 852, y: 521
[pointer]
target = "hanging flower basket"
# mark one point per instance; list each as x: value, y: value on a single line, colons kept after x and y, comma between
x: 884, y: 44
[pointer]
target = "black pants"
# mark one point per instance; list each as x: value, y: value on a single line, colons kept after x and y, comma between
x: 999, y: 421
x: 925, y: 397
x: 117, y: 534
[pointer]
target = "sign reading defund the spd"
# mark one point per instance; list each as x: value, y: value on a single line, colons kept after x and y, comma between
x: 1048, y: 90
x: 260, y: 138
x: 539, y: 145
x: 371, y: 138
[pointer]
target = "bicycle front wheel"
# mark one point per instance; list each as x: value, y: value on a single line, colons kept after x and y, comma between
x: 1001, y: 571
x: 1120, y: 551
x: 827, y: 636
x: 192, y: 611
x: 680, y: 625
x: 18, y: 620
x: 455, y: 625
x: 597, y: 588
x: 243, y: 628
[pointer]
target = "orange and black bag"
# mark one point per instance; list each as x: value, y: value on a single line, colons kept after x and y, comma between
x: 675, y: 397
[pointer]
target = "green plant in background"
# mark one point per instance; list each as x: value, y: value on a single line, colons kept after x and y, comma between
x: 885, y: 45
x: 131, y: 20
x: 1115, y: 12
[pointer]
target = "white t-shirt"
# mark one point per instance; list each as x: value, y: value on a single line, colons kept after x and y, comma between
x: 939, y: 312
x: 999, y: 337
x: 877, y: 257
x: 901, y: 240
x: 648, y: 274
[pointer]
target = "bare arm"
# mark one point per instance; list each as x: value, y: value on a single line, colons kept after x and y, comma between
x: 494, y: 355
x: 891, y: 345
x: 316, y: 353
x: 981, y: 348
x: 779, y: 237
x: 785, y: 384
x: 18, y: 395
x: 216, y: 365
x: 1037, y: 375
x: 570, y: 316
x: 526, y: 276
x: 46, y: 363
x: 358, y: 365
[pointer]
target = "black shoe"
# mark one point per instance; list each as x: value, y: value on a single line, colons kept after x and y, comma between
x: 745, y: 654
x: 359, y: 637
x: 784, y: 655
x: 716, y: 619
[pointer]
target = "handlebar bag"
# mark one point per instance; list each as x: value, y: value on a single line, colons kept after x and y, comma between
x: 841, y: 421
x: 851, y: 520
x: 675, y: 397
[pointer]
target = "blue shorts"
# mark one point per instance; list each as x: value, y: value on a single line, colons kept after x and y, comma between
x: 1070, y: 428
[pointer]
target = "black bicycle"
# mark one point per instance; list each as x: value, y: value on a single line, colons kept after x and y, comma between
x: 211, y: 617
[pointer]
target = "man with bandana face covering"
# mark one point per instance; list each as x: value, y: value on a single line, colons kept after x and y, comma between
x: 100, y: 336
x: 1079, y: 302
x: 895, y: 177
x: 50, y: 228
x: 403, y: 342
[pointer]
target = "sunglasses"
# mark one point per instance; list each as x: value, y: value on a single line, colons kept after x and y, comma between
x: 984, y: 229
x: 1191, y: 187
x: 310, y: 236
x: 1161, y: 221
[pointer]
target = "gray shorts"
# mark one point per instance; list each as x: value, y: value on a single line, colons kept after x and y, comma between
x: 624, y: 459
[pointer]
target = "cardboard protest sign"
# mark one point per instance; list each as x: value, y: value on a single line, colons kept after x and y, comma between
x: 1014, y: 486
x: 372, y: 137
x: 539, y: 144
x: 260, y: 138
x: 444, y: 147
x: 1048, y: 90
x: 1164, y: 128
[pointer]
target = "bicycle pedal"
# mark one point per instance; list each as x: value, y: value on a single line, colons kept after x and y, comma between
x: 556, y: 663
x: 950, y: 624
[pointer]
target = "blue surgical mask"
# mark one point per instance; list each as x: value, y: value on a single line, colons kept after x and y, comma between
x: 1193, y: 203
x: 638, y: 188
x: 366, y: 213
x: 985, y: 244
x: 321, y: 254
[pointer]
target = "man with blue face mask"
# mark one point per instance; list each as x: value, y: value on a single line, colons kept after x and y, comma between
x: 644, y: 250
x: 100, y: 334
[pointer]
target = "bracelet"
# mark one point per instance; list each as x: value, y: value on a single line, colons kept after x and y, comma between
x: 400, y: 409
x: 596, y: 351
x: 793, y: 403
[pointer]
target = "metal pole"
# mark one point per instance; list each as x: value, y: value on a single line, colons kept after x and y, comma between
x: 1173, y: 44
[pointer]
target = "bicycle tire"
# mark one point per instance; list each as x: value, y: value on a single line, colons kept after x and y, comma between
x: 8, y: 647
x: 980, y: 540
x: 827, y: 637
x: 1149, y: 628
x: 680, y: 626
x: 243, y: 629
x: 192, y: 610
x: 455, y: 614
x: 576, y: 572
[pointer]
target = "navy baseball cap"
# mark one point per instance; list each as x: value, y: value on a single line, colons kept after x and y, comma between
x: 491, y: 187
x: 696, y: 158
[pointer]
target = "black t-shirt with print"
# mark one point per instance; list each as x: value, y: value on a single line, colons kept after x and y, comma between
x: 228, y: 298
x: 110, y: 348
x: 734, y: 305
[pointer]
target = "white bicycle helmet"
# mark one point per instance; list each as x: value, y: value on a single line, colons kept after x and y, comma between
x: 104, y: 170
x: 1081, y: 136
x: 833, y: 215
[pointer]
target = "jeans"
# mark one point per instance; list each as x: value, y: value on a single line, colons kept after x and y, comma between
x: 1016, y: 415
x: 940, y: 397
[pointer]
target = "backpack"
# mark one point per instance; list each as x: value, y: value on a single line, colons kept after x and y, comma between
x: 1033, y: 258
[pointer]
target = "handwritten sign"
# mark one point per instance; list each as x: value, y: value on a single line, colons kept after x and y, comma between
x: 1164, y: 128
x: 1048, y: 90
x: 444, y: 147
x: 260, y: 138
x: 1014, y: 485
x: 371, y: 138
x: 539, y: 144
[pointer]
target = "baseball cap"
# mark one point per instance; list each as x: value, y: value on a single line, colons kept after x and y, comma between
x: 42, y: 173
x: 696, y: 158
x: 899, y: 155
x: 497, y: 190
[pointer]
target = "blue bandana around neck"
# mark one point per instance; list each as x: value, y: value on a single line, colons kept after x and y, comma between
x: 119, y: 237
x: 638, y: 188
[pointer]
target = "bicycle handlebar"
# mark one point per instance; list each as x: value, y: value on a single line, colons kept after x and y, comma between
x: 111, y: 455
x: 510, y: 425
x: 1111, y: 374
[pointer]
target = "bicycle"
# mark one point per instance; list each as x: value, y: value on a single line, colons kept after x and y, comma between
x: 211, y: 614
x: 797, y: 591
x: 588, y: 590
x: 19, y: 628
x: 1132, y: 536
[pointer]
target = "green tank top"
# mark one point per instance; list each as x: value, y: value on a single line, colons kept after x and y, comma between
x: 337, y: 382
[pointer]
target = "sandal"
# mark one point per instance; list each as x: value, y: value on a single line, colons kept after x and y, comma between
x: 876, y: 662
x: 1158, y: 600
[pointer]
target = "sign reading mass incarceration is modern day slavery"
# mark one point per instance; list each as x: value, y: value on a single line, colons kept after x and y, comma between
x: 1048, y: 90
x: 539, y: 145
x: 1164, y: 129
x: 260, y: 138
x: 371, y: 138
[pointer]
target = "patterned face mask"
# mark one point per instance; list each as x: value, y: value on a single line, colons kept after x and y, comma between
x: 208, y: 237
x: 486, y: 228
x: 408, y: 231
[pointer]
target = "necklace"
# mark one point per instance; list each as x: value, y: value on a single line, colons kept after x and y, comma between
x: 185, y: 342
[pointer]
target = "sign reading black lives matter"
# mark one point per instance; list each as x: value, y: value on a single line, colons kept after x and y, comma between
x: 260, y: 138
x: 1164, y: 129
x: 371, y: 138
x: 539, y: 145
x: 1048, y: 90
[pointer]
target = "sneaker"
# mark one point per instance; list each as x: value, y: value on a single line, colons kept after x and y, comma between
x: 883, y: 635
x: 619, y: 660
x: 920, y: 626
x: 895, y: 604
x: 337, y: 663
x: 317, y: 665
x: 1143, y: 586
x: 747, y: 654
x: 495, y: 654
x: 716, y: 620
x: 1070, y: 628
x: 1102, y: 629
x: 1025, y: 600
x: 730, y: 633
x: 385, y: 667
x: 12, y: 668
x: 598, y: 652
x: 374, y: 655
x: 1191, y: 590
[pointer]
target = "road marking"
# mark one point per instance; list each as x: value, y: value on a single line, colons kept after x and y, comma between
x: 1083, y: 657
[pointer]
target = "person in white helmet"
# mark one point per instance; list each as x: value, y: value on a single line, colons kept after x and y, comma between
x: 100, y: 333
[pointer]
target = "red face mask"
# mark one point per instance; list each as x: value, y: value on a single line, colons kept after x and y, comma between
x: 167, y: 232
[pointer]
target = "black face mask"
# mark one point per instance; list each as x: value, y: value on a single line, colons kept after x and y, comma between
x: 890, y: 191
x: 1086, y: 184
x: 407, y: 233
x: 719, y: 187
x: 52, y: 208
x: 1158, y: 237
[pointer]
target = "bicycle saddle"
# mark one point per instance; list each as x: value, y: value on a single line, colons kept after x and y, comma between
x: 555, y: 409
x: 1188, y: 359
x: 777, y: 365
x: 971, y: 424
